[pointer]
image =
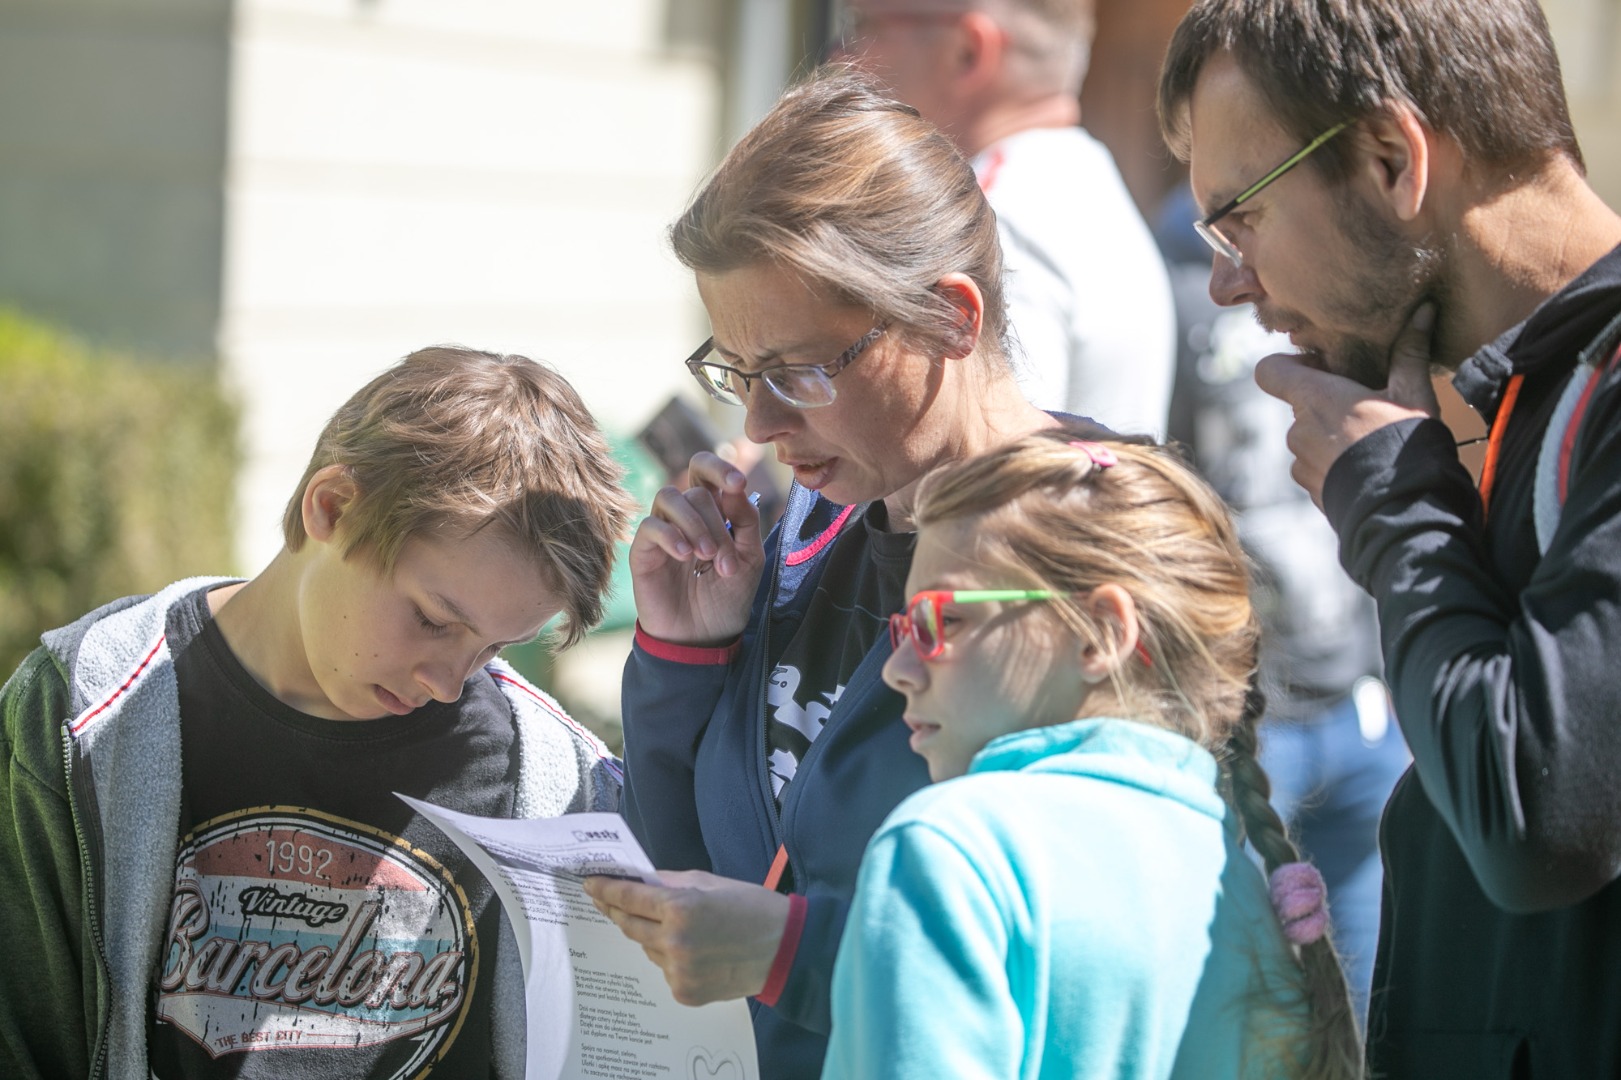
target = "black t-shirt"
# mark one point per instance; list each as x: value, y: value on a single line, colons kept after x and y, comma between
x: 319, y: 927
x: 863, y: 583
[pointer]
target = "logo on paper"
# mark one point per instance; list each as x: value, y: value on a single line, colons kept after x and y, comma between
x: 586, y: 836
x: 726, y: 1066
x: 293, y: 931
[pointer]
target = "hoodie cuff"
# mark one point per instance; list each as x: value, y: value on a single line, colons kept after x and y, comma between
x: 785, y: 952
x: 687, y: 654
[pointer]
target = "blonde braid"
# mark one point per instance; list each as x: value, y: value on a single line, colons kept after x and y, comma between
x: 1334, y: 1042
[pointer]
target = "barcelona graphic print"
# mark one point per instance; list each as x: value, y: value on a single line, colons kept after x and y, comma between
x: 293, y: 931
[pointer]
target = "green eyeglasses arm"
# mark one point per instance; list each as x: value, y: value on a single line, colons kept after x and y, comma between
x: 976, y: 596
x: 1305, y: 152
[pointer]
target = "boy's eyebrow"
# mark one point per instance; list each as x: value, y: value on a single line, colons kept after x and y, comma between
x: 455, y: 610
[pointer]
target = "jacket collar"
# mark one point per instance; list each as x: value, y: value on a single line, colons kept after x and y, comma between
x: 1123, y: 751
x: 1554, y: 334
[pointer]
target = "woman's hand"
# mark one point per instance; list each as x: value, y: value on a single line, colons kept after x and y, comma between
x: 693, y: 577
x: 715, y: 938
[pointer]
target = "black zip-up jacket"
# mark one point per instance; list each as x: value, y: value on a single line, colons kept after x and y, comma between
x: 1500, y: 939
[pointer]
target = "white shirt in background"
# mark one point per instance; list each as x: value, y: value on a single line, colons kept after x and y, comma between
x: 1088, y: 297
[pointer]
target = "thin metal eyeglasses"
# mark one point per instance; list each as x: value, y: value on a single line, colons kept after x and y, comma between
x: 1206, y: 227
x: 804, y: 386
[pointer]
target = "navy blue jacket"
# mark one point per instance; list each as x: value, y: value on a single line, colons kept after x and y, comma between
x: 698, y: 795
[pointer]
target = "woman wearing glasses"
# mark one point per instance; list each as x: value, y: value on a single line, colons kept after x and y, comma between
x: 852, y: 274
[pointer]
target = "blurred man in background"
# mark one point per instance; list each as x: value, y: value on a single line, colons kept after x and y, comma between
x: 1329, y: 743
x: 1088, y: 295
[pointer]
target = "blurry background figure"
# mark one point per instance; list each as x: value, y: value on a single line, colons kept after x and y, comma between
x: 1329, y: 742
x: 680, y: 430
x: 1087, y: 293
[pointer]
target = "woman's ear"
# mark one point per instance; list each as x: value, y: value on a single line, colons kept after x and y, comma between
x: 1114, y: 613
x: 960, y: 291
x: 327, y: 497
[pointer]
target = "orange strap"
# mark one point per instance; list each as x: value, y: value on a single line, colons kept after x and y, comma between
x: 1494, y: 445
x: 779, y: 866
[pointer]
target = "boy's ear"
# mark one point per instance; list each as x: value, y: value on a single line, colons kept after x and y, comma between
x: 1114, y: 613
x: 327, y: 498
x: 961, y: 293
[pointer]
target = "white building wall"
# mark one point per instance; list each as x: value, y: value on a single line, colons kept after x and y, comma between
x: 112, y: 145
x: 312, y: 188
x: 1588, y: 36
x: 497, y: 173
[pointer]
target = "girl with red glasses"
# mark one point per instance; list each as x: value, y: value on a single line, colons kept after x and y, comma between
x: 1077, y: 659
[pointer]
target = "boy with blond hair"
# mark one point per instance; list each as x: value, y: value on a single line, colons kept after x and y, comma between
x: 205, y: 869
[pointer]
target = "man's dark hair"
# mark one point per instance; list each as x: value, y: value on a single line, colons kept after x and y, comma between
x: 1483, y: 72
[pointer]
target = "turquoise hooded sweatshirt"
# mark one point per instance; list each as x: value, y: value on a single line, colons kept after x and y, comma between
x: 1079, y: 905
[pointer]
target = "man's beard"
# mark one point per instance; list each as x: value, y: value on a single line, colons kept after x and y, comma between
x: 1390, y: 279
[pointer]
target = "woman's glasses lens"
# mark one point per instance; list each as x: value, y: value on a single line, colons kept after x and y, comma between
x: 802, y: 387
x: 720, y: 383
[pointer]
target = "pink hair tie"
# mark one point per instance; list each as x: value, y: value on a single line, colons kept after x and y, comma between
x: 1301, y: 900
x: 1102, y: 457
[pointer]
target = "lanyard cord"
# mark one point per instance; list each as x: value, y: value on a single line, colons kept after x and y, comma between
x: 1494, y: 444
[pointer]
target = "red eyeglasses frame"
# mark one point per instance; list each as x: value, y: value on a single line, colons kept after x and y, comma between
x: 902, y: 626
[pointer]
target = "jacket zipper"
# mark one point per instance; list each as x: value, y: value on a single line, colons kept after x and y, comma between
x: 766, y: 668
x: 778, y: 839
x: 88, y: 867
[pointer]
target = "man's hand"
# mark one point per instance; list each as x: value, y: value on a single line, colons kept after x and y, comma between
x: 714, y: 937
x: 1332, y: 413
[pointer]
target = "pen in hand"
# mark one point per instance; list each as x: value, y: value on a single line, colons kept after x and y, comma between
x: 702, y: 567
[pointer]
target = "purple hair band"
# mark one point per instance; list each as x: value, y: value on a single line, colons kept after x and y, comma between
x: 1301, y: 900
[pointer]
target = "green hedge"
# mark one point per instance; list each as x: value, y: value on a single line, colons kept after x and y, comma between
x: 116, y: 477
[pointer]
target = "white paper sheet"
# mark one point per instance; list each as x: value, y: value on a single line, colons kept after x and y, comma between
x: 597, y: 1006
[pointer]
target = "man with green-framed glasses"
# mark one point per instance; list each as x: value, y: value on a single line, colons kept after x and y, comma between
x: 1319, y: 257
x: 1448, y: 220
